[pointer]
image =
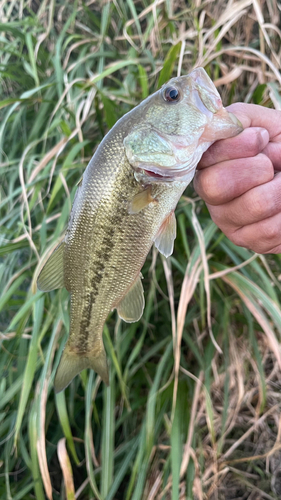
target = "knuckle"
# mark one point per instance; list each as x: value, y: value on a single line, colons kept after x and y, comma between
x: 269, y: 231
x: 258, y: 205
x: 265, y: 166
x: 254, y: 140
x: 218, y: 216
x: 210, y: 187
x: 257, y: 143
x: 236, y: 238
x: 268, y: 165
x: 275, y: 250
x: 241, y: 240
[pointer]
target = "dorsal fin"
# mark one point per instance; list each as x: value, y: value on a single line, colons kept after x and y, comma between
x: 51, y: 276
x: 79, y: 183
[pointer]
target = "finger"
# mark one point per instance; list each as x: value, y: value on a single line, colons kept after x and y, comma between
x: 273, y: 151
x: 252, y: 115
x: 255, y: 205
x: 249, y: 143
x: 225, y: 181
x: 261, y: 237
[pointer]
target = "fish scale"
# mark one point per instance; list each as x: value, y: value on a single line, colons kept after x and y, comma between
x: 124, y: 203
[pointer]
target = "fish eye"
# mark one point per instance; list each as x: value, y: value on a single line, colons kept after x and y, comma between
x: 171, y: 94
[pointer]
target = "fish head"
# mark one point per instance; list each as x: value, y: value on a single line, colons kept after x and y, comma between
x: 174, y: 127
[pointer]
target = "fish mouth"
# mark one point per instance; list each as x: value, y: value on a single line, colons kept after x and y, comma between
x: 154, y: 175
x: 146, y: 177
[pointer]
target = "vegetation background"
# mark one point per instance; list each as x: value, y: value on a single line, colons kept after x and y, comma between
x: 193, y: 407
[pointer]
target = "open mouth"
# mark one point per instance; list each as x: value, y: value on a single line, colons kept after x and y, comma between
x: 154, y: 175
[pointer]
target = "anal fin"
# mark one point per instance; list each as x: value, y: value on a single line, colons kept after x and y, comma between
x: 131, y: 307
x: 165, y: 238
x: 51, y: 276
x: 72, y: 363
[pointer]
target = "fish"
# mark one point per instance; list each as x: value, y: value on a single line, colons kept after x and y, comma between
x: 125, y: 203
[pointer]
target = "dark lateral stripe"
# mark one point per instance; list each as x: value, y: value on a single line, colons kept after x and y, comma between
x: 102, y: 255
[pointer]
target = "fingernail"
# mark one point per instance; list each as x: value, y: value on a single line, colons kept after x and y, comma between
x: 264, y: 136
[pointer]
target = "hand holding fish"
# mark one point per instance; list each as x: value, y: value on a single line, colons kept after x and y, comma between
x: 240, y: 180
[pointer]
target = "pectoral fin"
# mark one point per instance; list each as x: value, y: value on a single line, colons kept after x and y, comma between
x: 141, y: 200
x: 51, y: 276
x: 131, y: 306
x: 73, y: 363
x: 165, y: 238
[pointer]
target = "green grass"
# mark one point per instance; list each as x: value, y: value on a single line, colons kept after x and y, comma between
x: 180, y: 420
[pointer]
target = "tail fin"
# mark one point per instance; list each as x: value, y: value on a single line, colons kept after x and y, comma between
x: 72, y: 363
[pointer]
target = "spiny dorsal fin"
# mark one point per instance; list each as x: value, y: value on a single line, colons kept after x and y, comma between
x: 79, y: 183
x: 164, y: 240
x: 131, y: 306
x: 51, y: 276
x: 72, y: 363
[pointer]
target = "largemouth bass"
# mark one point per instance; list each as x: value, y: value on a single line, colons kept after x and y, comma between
x: 124, y: 204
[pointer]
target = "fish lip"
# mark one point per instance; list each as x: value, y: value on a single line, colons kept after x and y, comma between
x: 146, y: 177
x: 155, y: 175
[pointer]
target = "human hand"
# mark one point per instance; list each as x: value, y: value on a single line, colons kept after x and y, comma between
x: 240, y: 180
